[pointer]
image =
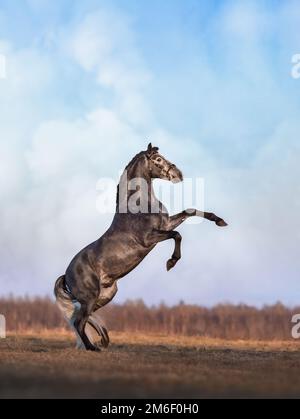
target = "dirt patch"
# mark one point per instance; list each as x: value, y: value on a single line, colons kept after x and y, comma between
x: 147, y: 366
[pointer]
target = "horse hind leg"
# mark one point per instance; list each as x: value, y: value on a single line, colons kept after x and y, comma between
x: 106, y: 295
x: 76, y: 306
x: 100, y: 330
x: 70, y: 310
x: 80, y: 322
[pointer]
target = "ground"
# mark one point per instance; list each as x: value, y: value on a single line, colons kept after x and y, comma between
x: 147, y: 366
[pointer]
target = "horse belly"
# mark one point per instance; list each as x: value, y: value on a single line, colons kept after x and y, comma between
x: 124, y: 260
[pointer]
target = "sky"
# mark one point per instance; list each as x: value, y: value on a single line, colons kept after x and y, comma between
x: 89, y: 84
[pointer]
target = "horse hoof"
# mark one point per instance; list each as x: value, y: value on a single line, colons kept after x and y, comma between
x: 221, y: 223
x: 97, y: 348
x: 94, y: 348
x: 171, y: 263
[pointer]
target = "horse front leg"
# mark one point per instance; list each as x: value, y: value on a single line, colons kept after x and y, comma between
x: 161, y: 235
x: 177, y: 251
x: 175, y: 220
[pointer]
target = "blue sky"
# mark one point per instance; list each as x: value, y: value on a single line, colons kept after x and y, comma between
x: 88, y: 83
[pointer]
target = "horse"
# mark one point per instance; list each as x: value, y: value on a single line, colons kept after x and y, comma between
x: 140, y: 222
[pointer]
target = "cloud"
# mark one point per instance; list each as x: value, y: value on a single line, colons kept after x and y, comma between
x: 103, y: 44
x: 82, y: 99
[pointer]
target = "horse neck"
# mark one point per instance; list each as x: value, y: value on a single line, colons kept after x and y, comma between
x: 135, y: 172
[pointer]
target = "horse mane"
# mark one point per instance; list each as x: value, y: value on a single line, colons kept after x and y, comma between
x: 134, y: 159
x: 131, y: 163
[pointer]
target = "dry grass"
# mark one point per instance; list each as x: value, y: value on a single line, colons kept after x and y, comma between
x: 148, y: 365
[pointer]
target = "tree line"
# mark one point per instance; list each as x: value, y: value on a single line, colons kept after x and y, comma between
x: 225, y: 321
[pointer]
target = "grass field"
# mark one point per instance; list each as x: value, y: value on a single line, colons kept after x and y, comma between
x: 147, y: 366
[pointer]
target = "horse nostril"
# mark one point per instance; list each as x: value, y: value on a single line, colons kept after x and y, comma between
x: 179, y: 175
x: 175, y: 175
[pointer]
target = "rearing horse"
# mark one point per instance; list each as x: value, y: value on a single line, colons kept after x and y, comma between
x: 90, y: 281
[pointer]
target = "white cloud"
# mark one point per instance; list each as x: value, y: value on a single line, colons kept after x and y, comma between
x: 103, y: 43
x: 52, y: 160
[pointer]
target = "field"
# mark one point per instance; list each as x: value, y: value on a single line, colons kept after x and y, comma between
x: 143, y: 365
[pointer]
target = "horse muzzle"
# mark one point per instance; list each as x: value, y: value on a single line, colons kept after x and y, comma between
x: 175, y: 175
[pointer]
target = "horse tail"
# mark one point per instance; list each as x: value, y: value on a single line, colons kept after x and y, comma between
x: 64, y: 298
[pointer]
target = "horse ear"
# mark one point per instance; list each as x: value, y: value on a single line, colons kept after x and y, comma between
x: 149, y: 150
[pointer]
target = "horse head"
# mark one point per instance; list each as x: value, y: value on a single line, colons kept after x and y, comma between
x: 160, y: 167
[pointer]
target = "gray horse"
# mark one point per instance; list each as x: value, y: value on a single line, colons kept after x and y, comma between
x: 140, y: 222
